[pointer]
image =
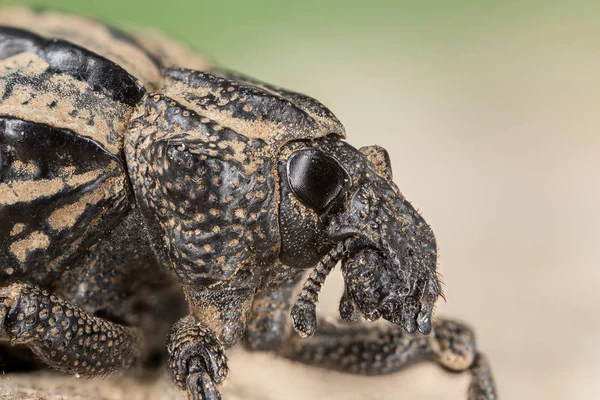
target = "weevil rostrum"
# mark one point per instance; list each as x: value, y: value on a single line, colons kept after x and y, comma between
x: 132, y: 170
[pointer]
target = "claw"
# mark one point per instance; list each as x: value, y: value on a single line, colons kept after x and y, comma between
x: 196, y: 358
x: 201, y: 387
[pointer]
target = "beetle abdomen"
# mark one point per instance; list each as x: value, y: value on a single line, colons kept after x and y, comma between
x: 63, y: 85
x: 58, y: 192
x: 63, y: 117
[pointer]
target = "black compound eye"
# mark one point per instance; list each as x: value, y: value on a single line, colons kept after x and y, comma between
x: 315, y: 178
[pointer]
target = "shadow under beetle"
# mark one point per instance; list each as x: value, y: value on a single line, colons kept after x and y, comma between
x: 125, y: 160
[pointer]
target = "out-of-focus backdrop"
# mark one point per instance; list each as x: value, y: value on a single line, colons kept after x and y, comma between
x: 490, y: 112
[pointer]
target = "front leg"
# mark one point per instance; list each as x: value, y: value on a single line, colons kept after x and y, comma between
x: 63, y: 336
x: 368, y: 350
x: 197, y: 343
x: 196, y: 359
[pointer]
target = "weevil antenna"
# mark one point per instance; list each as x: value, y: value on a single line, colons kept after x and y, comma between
x: 304, y: 314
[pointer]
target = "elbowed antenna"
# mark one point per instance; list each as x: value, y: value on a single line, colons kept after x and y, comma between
x: 304, y: 314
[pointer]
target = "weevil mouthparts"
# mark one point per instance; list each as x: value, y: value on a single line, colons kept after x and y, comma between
x: 409, y: 314
x: 375, y: 288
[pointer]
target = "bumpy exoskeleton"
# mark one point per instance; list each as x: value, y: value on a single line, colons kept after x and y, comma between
x: 125, y: 160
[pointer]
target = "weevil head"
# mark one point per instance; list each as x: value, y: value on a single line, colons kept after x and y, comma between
x: 330, y: 192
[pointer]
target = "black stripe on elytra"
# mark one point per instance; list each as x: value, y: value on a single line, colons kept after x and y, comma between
x: 50, y: 149
x: 63, y: 57
x: 45, y: 152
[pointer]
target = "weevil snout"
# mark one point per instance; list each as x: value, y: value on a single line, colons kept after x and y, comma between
x: 393, y: 276
x: 331, y: 193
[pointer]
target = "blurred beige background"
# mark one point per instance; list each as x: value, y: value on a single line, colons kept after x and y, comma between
x: 496, y: 138
x: 491, y: 119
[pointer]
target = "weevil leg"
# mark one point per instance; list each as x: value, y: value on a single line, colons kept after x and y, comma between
x: 482, y: 385
x: 63, y: 336
x: 366, y: 349
x: 196, y: 359
x: 384, y: 349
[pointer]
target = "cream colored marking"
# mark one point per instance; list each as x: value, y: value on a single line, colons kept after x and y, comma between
x: 87, y: 33
x: 9, y: 271
x: 252, y: 129
x: 63, y: 91
x: 31, y: 61
x: 328, y: 123
x: 17, y: 228
x: 67, y: 171
x: 23, y: 191
x: 147, y: 136
x: 35, y: 241
x: 68, y: 215
x: 26, y: 168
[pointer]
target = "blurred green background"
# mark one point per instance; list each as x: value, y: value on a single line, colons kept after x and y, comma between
x: 257, y: 36
x: 490, y: 112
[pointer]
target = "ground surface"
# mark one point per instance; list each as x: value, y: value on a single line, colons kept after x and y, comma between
x: 253, y: 377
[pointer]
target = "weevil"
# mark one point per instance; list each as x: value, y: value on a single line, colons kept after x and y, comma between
x: 132, y: 170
